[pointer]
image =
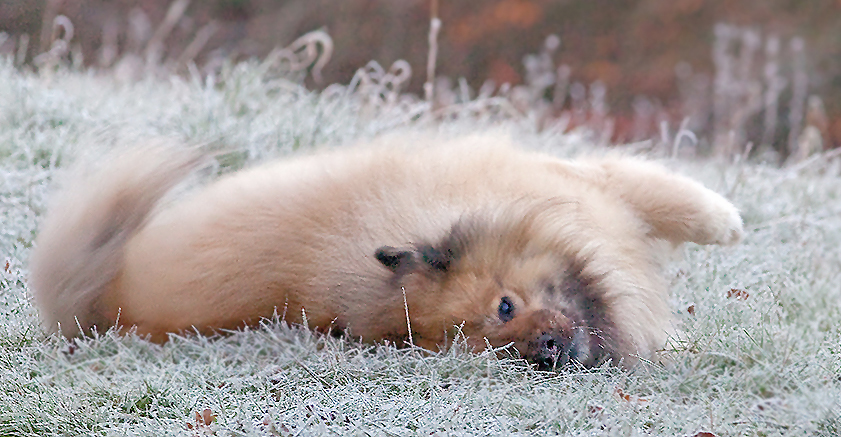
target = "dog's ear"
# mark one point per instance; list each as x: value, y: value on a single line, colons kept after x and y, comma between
x: 436, y: 259
x: 394, y: 258
x: 408, y: 260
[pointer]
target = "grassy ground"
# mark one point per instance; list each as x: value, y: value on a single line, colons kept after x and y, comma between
x: 760, y: 353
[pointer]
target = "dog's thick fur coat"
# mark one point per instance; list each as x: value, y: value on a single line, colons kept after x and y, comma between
x: 560, y: 258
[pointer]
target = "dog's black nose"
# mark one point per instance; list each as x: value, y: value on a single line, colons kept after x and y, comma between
x: 553, y: 351
x: 550, y: 351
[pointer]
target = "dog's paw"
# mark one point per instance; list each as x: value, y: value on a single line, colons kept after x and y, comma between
x: 724, y: 224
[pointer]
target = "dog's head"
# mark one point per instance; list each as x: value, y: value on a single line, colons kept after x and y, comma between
x: 510, y: 277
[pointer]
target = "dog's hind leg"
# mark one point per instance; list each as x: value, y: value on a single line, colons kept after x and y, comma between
x: 677, y: 208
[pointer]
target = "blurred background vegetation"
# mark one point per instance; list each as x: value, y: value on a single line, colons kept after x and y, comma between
x: 741, y: 78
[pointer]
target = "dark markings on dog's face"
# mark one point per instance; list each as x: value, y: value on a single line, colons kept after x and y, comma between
x: 422, y: 258
x: 501, y: 285
x: 437, y: 259
x: 394, y: 258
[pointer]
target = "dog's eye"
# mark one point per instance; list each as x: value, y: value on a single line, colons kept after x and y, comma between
x: 506, y: 309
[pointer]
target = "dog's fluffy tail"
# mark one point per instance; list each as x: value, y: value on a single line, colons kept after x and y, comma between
x: 80, y: 247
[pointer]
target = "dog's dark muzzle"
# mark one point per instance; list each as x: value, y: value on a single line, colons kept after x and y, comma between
x: 554, y: 351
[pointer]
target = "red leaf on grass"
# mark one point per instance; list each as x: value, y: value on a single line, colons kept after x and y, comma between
x: 736, y: 293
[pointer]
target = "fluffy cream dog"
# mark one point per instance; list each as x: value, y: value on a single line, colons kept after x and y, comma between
x: 559, y: 258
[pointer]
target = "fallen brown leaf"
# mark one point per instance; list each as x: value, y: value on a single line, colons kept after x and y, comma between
x: 736, y: 293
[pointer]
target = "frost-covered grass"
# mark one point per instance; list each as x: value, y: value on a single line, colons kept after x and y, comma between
x: 765, y: 360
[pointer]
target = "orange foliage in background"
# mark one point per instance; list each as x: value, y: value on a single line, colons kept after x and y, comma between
x: 632, y: 47
x: 493, y: 20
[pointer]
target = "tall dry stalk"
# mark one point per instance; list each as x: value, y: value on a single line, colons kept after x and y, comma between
x: 774, y: 85
x: 155, y: 47
x: 51, y: 10
x: 432, y: 58
x: 800, y: 84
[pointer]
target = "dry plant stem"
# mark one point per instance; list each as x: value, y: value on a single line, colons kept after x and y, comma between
x: 434, y: 28
x: 746, y: 152
x: 774, y: 86
x: 303, y: 53
x: 722, y: 84
x: 110, y: 36
x: 665, y: 137
x: 820, y: 157
x: 202, y: 37
x: 408, y: 322
x: 23, y: 46
x: 798, y: 94
x: 62, y: 34
x: 77, y: 58
x: 173, y: 15
x: 683, y: 132
x: 139, y: 30
x: 559, y: 94
x: 62, y: 30
x: 50, y: 11
x: 310, y: 43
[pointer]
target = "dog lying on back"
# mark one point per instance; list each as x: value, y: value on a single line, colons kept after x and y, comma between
x: 559, y: 258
